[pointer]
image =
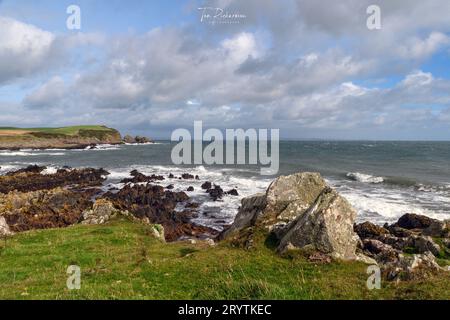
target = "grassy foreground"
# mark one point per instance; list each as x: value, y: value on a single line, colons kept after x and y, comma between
x: 122, y: 260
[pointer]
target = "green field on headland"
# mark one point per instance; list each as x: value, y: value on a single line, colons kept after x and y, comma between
x: 60, y: 137
x: 122, y: 260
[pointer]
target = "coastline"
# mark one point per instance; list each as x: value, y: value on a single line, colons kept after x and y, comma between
x: 152, y: 213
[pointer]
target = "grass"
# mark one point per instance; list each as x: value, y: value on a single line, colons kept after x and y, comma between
x: 121, y: 260
x: 71, y: 131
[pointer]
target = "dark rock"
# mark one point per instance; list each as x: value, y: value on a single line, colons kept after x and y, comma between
x: 170, y: 187
x: 187, y: 176
x: 158, y: 206
x: 27, y: 180
x: 207, y: 185
x: 190, y: 189
x: 197, y: 178
x: 369, y: 230
x: 29, y: 169
x: 232, y: 192
x: 139, y: 139
x: 138, y: 177
x: 216, y: 193
x: 414, y: 221
x: 171, y: 176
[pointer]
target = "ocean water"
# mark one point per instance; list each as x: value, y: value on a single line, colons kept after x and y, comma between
x: 382, y: 180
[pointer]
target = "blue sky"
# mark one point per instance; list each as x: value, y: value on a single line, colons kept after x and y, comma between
x: 312, y: 70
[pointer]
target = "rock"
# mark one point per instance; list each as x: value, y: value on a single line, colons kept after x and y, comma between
x: 207, y: 185
x: 369, y: 230
x: 216, y: 193
x: 4, y: 228
x: 27, y: 180
x: 45, y: 209
x: 249, y: 212
x: 446, y: 243
x: 170, y: 187
x: 190, y: 189
x: 128, y: 139
x: 437, y: 229
x: 139, y: 139
x: 232, y: 192
x: 376, y: 247
x: 365, y: 259
x: 157, y: 231
x: 327, y: 226
x: 400, y: 232
x: 158, y: 206
x: 416, y: 267
x: 290, y: 196
x: 102, y: 211
x: 187, y: 176
x: 171, y: 176
x: 414, y: 221
x: 138, y: 177
x: 423, y: 244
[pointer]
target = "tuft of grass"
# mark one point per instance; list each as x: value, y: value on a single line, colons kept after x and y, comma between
x: 121, y: 260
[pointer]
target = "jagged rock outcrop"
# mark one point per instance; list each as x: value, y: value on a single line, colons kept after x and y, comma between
x: 303, y: 213
x: 326, y: 227
x: 285, y: 199
x: 405, y: 250
x: 44, y: 209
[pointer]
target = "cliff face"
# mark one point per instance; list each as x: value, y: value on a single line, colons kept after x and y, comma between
x: 57, y: 138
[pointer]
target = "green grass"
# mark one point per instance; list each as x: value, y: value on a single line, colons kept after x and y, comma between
x: 122, y: 260
x: 72, y: 130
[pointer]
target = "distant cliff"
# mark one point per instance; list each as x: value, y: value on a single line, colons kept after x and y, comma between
x: 74, y: 137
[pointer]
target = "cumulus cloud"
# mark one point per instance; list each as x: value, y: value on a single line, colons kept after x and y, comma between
x: 309, y: 69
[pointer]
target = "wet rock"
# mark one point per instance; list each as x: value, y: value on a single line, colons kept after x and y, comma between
x: 190, y: 189
x: 170, y: 187
x: 141, y: 139
x: 137, y: 177
x: 171, y: 176
x: 187, y: 176
x: 29, y: 169
x: 207, y: 185
x: 232, y: 192
x: 158, y: 206
x: 369, y: 230
x: 327, y: 226
x: 26, y: 181
x: 216, y: 193
x: 197, y: 177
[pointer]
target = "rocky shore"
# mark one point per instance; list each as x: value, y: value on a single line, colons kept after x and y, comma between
x: 298, y: 215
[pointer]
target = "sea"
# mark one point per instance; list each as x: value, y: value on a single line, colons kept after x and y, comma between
x: 382, y: 180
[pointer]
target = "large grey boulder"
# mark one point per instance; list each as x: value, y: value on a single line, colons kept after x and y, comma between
x: 4, y: 228
x: 302, y: 212
x: 327, y: 227
x: 286, y: 198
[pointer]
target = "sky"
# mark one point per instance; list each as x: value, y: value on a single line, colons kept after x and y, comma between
x: 312, y: 69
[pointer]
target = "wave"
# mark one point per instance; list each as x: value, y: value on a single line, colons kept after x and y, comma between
x: 28, y: 154
x: 365, y: 178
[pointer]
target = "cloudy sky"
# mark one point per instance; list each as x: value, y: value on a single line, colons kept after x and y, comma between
x: 312, y: 69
